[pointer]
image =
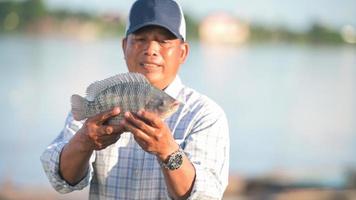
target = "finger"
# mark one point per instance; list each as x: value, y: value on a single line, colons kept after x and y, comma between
x: 105, y: 130
x: 118, y: 129
x: 150, y: 117
x: 110, y: 129
x: 102, y: 117
x: 142, y: 143
x: 135, y: 131
x: 105, y: 140
x: 137, y: 122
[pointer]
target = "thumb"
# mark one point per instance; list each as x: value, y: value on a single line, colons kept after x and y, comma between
x: 104, y: 116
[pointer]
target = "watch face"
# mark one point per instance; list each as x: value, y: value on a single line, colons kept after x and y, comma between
x: 175, y: 161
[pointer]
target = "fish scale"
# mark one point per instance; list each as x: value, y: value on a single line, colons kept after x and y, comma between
x: 129, y: 91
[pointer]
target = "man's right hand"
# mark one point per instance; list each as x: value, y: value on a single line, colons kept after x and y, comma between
x: 96, y: 135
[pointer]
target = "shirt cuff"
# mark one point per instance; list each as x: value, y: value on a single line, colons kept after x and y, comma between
x: 206, y: 185
x: 50, y: 161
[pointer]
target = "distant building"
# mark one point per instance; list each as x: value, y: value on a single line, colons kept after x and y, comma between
x: 348, y: 34
x: 222, y: 28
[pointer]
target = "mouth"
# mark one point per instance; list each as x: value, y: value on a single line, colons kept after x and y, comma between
x: 149, y: 66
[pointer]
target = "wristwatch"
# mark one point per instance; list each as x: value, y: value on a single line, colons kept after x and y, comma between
x: 175, y: 160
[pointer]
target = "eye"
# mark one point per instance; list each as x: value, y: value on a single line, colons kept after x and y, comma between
x: 166, y: 43
x: 139, y: 39
x: 161, y: 103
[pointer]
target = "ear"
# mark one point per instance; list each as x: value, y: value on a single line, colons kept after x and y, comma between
x: 184, y: 52
x: 124, y: 45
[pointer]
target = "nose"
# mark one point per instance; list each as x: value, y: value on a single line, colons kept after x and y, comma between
x: 151, y: 48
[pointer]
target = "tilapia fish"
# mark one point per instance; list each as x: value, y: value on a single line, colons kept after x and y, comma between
x: 129, y: 91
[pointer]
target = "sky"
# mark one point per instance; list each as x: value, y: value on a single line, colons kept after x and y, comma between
x: 294, y: 14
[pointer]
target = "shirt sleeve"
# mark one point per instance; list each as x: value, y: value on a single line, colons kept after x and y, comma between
x: 207, y: 146
x: 51, y: 155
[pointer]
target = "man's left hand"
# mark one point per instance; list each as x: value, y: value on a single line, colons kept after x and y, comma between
x: 151, y: 133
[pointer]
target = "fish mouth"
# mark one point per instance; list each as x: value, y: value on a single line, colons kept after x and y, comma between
x: 175, y: 105
x: 174, y: 108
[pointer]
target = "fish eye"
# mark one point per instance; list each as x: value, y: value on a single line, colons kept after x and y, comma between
x: 161, y: 104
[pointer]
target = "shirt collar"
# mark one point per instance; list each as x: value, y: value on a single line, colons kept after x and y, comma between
x: 174, y: 88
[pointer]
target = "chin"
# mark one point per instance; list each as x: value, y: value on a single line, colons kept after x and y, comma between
x: 153, y: 77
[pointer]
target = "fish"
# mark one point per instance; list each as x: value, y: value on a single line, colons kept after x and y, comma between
x: 129, y: 91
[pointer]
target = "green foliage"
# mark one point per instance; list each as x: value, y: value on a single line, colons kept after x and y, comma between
x: 32, y: 10
x: 192, y: 27
x: 316, y: 34
x: 319, y: 33
x: 5, y: 9
x: 28, y: 11
x: 19, y: 15
x: 64, y: 14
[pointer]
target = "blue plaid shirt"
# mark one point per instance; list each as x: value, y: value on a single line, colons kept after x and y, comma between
x: 124, y: 171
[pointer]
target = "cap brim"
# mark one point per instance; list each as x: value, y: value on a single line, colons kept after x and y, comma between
x: 136, y: 28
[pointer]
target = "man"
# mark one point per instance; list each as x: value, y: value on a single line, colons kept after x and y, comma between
x: 184, y: 157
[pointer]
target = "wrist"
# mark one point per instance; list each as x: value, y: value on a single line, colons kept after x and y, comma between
x: 83, y: 142
x: 163, y: 156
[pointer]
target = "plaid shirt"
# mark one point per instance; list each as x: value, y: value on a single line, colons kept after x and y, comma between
x: 124, y: 171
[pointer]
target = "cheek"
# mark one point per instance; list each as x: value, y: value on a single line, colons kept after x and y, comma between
x: 173, y: 53
x: 130, y: 55
x: 172, y: 57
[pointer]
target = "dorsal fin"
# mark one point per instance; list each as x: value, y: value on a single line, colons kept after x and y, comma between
x: 98, y: 86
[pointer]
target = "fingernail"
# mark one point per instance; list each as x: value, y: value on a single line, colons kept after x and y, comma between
x: 116, y: 110
x: 127, y: 114
x: 108, y: 130
x: 140, y: 112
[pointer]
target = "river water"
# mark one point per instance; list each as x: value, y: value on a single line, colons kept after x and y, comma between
x: 291, y: 108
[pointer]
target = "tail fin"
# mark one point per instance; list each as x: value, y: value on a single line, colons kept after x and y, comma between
x: 79, y: 107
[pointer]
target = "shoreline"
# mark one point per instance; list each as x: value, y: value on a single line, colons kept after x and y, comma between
x: 238, y: 188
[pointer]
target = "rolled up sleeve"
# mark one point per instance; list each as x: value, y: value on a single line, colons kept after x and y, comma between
x: 207, y: 147
x: 51, y: 156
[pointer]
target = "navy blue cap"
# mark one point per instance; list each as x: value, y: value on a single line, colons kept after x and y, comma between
x: 164, y: 13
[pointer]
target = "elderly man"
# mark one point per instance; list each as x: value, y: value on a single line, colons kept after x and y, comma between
x: 184, y: 157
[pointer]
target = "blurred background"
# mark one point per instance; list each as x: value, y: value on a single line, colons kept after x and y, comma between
x: 284, y: 72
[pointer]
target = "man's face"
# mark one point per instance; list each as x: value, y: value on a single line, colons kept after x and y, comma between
x: 156, y: 53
